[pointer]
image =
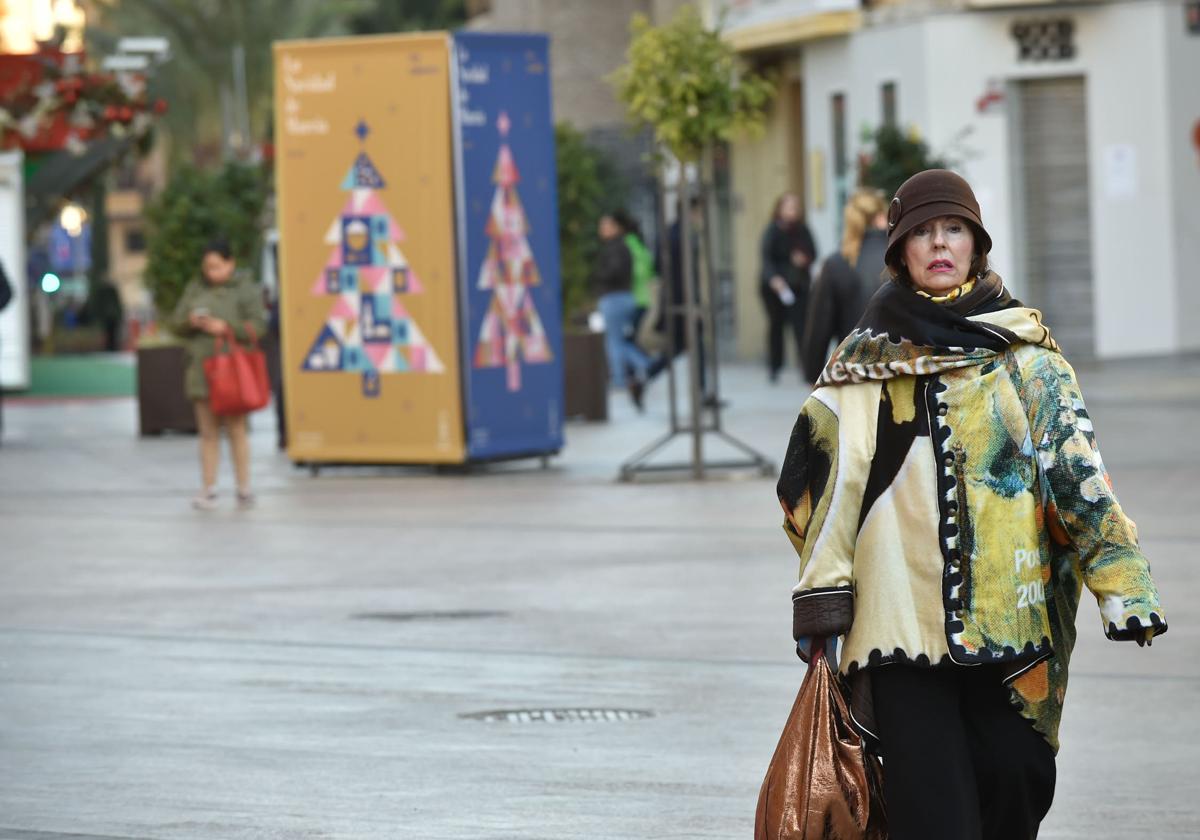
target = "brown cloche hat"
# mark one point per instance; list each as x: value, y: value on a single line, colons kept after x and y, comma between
x: 925, y: 196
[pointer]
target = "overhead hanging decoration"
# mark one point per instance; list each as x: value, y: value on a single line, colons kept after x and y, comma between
x: 51, y: 102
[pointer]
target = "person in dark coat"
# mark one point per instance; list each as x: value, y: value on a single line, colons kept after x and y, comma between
x: 612, y: 277
x: 672, y: 322
x: 6, y: 296
x: 787, y: 250
x: 847, y: 281
x: 104, y: 308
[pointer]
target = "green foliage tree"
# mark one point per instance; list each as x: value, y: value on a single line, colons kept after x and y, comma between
x: 587, y: 187
x: 202, y: 34
x: 196, y: 207
x: 898, y: 155
x: 687, y: 84
x: 409, y: 15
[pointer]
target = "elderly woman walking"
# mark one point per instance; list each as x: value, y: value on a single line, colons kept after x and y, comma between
x: 946, y: 496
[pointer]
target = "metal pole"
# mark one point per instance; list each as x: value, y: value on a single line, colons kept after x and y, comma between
x: 714, y: 344
x: 691, y: 314
x: 666, y: 293
x: 228, y: 122
x: 241, y: 103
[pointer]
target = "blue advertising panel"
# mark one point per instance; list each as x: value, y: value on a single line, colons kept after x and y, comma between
x: 510, y: 290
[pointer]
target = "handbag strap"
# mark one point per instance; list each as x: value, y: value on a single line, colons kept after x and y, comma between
x: 225, y: 337
x: 250, y: 332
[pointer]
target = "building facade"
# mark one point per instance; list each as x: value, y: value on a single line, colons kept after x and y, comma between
x: 1077, y: 124
x: 588, y: 42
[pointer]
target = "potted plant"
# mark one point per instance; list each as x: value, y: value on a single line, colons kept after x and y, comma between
x: 897, y: 156
x: 585, y: 179
x: 196, y: 206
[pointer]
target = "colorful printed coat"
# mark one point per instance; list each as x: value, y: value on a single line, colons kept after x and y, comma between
x: 945, y: 494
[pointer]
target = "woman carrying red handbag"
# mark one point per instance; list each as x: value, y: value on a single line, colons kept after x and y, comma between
x: 218, y: 309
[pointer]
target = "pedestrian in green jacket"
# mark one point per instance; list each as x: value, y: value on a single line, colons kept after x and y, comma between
x: 643, y: 260
x: 946, y: 495
x: 221, y: 301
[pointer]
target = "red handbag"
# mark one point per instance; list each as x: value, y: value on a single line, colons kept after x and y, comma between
x: 237, y: 377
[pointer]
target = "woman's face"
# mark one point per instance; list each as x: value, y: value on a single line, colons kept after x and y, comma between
x: 789, y: 209
x: 609, y: 229
x: 938, y: 254
x: 216, y: 268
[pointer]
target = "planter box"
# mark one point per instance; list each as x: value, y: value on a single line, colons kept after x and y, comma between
x: 162, y: 404
x: 585, y: 369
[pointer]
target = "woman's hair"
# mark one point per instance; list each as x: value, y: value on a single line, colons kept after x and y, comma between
x: 784, y: 196
x: 862, y: 207
x: 218, y: 245
x: 626, y: 222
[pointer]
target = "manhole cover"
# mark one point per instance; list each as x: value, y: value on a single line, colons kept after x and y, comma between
x: 429, y: 615
x: 558, y: 715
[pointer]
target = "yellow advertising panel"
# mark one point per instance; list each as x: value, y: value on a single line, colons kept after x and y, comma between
x: 366, y: 224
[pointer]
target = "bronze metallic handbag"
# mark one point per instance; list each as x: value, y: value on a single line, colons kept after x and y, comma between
x: 822, y: 783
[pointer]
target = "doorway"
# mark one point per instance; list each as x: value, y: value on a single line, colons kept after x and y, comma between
x: 1053, y: 197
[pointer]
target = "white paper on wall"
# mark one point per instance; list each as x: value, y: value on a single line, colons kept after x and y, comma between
x: 1120, y: 171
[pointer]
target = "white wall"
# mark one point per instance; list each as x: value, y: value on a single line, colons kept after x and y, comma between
x: 1132, y: 237
x: 14, y: 321
x: 1182, y: 56
x: 945, y: 62
x: 858, y: 65
x: 1119, y: 49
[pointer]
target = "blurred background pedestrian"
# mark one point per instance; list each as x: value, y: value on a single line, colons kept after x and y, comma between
x: 847, y: 280
x: 6, y: 295
x: 641, y: 264
x: 671, y: 323
x: 104, y: 309
x: 612, y: 277
x: 787, y: 250
x: 222, y: 301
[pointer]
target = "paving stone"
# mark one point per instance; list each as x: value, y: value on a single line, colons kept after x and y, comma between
x: 166, y: 674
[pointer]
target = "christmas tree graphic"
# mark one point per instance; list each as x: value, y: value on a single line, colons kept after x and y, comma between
x: 368, y: 330
x: 512, y: 331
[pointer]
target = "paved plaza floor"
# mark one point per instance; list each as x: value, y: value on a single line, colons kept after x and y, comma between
x: 367, y: 653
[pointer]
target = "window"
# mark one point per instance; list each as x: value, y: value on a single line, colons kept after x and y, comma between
x: 126, y: 175
x: 887, y: 101
x: 841, y: 155
x: 135, y: 241
x: 838, y: 122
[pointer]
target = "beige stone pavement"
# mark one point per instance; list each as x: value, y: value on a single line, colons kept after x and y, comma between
x: 165, y: 674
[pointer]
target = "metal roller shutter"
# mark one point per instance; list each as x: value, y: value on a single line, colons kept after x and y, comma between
x: 1057, y: 232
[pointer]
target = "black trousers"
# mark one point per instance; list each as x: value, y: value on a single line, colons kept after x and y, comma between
x: 780, y: 318
x: 273, y: 350
x: 959, y: 762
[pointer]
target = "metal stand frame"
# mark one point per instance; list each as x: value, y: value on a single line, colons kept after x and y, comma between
x: 695, y: 312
